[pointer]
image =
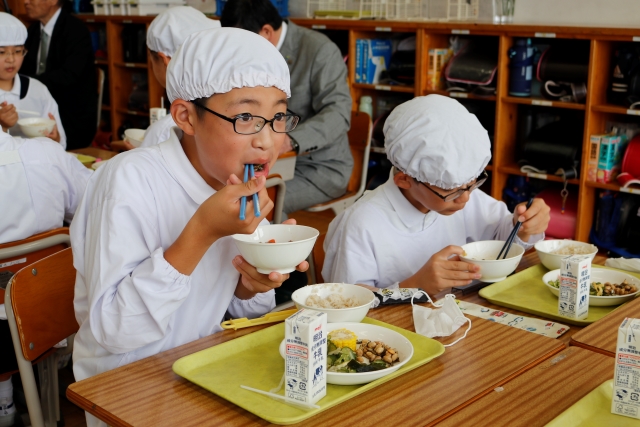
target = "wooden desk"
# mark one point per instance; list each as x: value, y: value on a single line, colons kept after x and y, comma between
x: 602, y: 336
x: 539, y: 395
x: 98, y: 153
x: 147, y: 392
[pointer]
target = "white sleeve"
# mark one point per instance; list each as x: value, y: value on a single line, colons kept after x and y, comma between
x: 254, y: 307
x: 349, y: 252
x: 491, y: 220
x: 158, y: 132
x: 52, y: 107
x: 132, y: 291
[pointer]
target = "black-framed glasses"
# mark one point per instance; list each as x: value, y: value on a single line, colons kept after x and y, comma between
x: 248, y: 124
x: 459, y: 192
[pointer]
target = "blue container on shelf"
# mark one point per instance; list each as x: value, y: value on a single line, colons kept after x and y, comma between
x: 281, y: 5
x: 521, y: 67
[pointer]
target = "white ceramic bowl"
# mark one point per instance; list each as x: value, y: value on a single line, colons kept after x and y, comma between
x: 34, y: 127
x: 134, y: 136
x: 484, y: 254
x: 352, y: 314
x: 374, y: 333
x: 544, y: 248
x: 599, y: 275
x: 293, y: 245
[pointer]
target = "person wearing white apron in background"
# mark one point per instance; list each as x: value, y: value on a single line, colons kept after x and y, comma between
x: 40, y: 187
x: 22, y: 97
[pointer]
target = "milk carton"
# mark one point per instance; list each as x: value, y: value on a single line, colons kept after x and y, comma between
x: 575, y: 281
x: 306, y: 356
x: 626, y: 381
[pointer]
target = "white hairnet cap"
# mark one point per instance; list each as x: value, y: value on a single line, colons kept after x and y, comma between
x: 12, y: 31
x: 216, y: 61
x: 169, y: 29
x: 435, y: 140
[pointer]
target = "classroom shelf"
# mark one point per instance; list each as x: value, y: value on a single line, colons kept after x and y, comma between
x: 515, y: 170
x: 385, y: 88
x: 613, y: 186
x: 132, y: 112
x: 615, y: 109
x: 432, y: 35
x: 106, y: 108
x: 543, y: 103
x: 131, y: 65
x: 459, y: 95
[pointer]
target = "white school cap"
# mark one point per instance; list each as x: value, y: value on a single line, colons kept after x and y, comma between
x: 12, y: 31
x: 435, y: 140
x: 216, y: 61
x: 169, y: 29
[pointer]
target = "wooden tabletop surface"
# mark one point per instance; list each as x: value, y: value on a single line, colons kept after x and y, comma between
x: 147, y: 392
x: 602, y: 336
x: 540, y: 394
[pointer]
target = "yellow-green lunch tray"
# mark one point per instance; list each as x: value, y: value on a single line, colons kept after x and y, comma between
x: 526, y: 292
x: 593, y: 410
x: 254, y: 360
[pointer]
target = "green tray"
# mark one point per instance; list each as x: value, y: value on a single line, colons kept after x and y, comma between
x: 254, y: 360
x: 525, y: 291
x: 593, y: 410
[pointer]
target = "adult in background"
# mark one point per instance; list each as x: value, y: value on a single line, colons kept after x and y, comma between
x: 59, y: 54
x: 319, y: 95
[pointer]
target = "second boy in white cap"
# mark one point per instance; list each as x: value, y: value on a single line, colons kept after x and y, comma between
x: 166, y: 33
x: 408, y: 232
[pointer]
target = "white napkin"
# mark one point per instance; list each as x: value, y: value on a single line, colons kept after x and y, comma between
x: 632, y: 264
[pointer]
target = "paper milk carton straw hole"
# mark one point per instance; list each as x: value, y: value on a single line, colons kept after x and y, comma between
x: 626, y: 380
x: 575, y: 280
x: 306, y: 356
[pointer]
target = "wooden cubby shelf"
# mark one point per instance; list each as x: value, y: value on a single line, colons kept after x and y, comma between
x: 612, y: 187
x: 106, y: 108
x: 499, y: 113
x: 543, y: 103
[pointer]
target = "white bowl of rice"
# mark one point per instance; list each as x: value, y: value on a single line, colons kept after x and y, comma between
x: 342, y: 302
x: 551, y: 252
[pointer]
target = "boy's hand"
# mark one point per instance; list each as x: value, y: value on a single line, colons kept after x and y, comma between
x: 443, y: 271
x: 252, y: 282
x: 8, y: 115
x: 54, y: 132
x: 535, y: 220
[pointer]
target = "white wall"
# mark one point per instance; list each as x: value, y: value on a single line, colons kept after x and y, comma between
x: 606, y: 13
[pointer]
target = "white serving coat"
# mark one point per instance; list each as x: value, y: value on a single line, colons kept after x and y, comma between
x: 129, y: 301
x: 38, y: 99
x: 383, y: 239
x: 40, y: 186
x: 158, y: 132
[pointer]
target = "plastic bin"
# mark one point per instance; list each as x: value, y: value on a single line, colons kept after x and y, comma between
x: 117, y: 7
x: 100, y: 8
x: 281, y: 5
x: 146, y: 9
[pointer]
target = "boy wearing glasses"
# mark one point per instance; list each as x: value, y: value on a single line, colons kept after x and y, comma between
x: 152, y: 245
x: 407, y: 233
x: 22, y: 97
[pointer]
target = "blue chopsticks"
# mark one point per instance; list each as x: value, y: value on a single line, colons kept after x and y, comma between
x: 248, y: 169
x: 512, y: 236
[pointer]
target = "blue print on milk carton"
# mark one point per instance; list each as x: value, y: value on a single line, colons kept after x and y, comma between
x: 306, y: 356
x: 575, y: 281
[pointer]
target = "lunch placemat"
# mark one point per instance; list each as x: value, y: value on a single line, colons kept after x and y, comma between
x: 526, y: 292
x: 254, y: 360
x: 593, y: 410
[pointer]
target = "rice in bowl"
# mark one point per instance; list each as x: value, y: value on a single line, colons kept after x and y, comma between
x: 332, y: 301
x: 575, y: 250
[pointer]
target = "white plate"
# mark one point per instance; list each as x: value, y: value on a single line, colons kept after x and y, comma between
x: 599, y: 275
x: 374, y: 333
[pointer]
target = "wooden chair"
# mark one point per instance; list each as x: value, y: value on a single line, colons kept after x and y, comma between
x: 276, y: 189
x: 39, y: 303
x: 360, y: 143
x: 15, y: 255
x: 317, y: 259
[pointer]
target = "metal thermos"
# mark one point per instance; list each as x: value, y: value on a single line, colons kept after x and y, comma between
x: 521, y: 65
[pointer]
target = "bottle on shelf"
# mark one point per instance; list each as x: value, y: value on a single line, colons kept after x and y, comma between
x: 521, y: 68
x: 366, y: 105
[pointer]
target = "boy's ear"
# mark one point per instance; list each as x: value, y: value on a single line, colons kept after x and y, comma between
x: 184, y: 114
x: 402, y: 180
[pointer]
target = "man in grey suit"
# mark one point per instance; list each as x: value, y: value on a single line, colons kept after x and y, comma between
x: 319, y: 95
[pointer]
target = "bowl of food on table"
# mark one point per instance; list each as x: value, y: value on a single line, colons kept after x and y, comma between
x: 485, y: 254
x: 34, y: 127
x: 341, y: 301
x: 277, y: 247
x: 608, y: 287
x: 358, y: 353
x: 551, y: 252
x: 134, y: 136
